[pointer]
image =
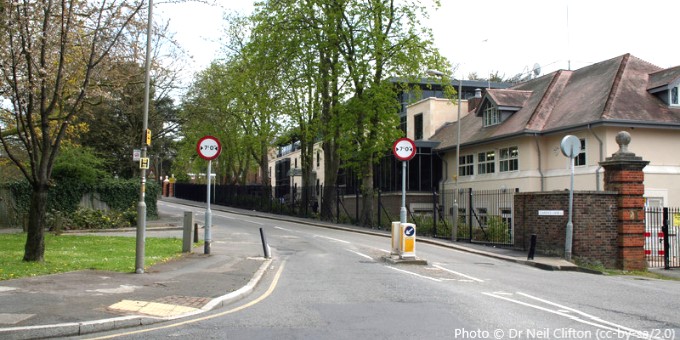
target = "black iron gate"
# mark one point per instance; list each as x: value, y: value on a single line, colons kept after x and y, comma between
x: 661, y: 237
x: 484, y: 216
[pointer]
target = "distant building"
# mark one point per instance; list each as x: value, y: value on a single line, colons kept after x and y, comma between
x: 422, y: 113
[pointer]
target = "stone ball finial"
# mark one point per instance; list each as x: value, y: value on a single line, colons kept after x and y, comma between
x: 623, y: 139
x: 623, y: 157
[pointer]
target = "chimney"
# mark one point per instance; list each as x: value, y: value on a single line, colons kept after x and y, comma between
x: 474, y: 102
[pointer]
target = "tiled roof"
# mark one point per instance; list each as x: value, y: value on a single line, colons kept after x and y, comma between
x: 611, y: 91
x: 511, y: 98
x: 663, y: 77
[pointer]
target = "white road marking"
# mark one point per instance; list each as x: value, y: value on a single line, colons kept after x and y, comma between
x: 459, y: 274
x: 332, y: 239
x: 360, y: 254
x: 415, y: 274
x: 566, y: 309
x: 620, y: 330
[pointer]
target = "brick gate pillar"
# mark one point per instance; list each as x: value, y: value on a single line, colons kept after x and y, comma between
x: 623, y: 173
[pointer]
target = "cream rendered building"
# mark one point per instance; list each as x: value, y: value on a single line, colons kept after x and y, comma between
x: 511, y: 139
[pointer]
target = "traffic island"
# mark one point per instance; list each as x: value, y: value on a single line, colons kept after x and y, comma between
x: 396, y: 259
x: 403, y: 245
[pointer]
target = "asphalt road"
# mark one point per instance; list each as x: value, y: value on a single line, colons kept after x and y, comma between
x: 332, y: 284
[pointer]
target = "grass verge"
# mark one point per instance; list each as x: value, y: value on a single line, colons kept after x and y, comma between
x: 65, y: 253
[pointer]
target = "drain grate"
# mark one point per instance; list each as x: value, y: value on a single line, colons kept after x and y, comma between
x: 187, y: 301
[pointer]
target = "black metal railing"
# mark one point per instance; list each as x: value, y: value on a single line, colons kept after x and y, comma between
x: 662, y: 243
x: 484, y: 216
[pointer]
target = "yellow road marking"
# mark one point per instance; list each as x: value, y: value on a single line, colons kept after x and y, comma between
x: 266, y: 294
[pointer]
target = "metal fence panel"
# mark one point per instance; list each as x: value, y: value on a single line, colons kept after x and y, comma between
x: 662, y: 241
x: 484, y: 216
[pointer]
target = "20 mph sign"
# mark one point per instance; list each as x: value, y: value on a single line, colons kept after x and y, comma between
x: 209, y: 148
x: 404, y: 149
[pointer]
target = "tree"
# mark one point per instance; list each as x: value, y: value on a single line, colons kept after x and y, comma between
x: 114, y: 124
x: 337, y: 58
x: 380, y: 39
x: 209, y: 109
x: 493, y: 76
x: 302, y: 39
x: 50, y: 58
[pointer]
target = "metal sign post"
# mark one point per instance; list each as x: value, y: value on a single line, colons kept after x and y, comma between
x: 208, y: 215
x: 404, y: 149
x: 208, y: 148
x: 571, y: 147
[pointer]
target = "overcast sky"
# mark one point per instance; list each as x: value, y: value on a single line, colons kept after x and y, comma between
x: 508, y: 36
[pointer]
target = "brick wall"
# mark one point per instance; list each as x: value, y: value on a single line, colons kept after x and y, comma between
x: 608, y: 226
x: 595, y: 220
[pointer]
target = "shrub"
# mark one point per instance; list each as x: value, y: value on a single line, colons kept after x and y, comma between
x: 98, y: 219
x: 58, y: 221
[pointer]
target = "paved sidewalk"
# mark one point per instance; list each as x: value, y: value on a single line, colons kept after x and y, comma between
x: 90, y: 301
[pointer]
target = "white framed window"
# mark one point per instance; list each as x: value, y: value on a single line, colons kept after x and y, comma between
x: 466, y: 165
x: 492, y: 116
x: 674, y: 100
x: 486, y: 162
x: 580, y: 159
x: 509, y: 159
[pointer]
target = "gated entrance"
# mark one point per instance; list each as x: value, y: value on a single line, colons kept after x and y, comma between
x: 484, y: 216
x: 662, y: 242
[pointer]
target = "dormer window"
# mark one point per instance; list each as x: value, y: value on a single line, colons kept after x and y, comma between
x: 674, y: 96
x: 499, y: 105
x: 492, y: 116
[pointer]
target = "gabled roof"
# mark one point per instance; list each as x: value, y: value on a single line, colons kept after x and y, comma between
x: 613, y: 91
x: 508, y: 98
x: 663, y: 78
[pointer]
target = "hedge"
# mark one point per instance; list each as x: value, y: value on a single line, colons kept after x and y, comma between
x: 65, y: 196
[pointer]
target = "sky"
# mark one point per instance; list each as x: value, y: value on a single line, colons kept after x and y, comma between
x: 488, y: 36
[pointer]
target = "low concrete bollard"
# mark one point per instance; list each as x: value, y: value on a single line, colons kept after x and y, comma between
x: 186, y: 234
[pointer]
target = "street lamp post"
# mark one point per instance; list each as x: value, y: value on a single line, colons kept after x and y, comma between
x: 454, y: 231
x: 141, y: 206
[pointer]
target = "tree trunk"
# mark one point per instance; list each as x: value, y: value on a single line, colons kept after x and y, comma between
x: 307, y: 167
x: 331, y: 166
x: 34, y: 250
x: 367, y: 195
x: 264, y: 170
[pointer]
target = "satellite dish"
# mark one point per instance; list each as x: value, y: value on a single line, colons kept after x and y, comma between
x: 537, y: 69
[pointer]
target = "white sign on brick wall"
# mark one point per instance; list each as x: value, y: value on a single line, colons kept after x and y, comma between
x: 551, y: 213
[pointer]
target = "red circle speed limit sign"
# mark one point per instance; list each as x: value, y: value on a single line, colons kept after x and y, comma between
x: 208, y: 148
x: 404, y: 149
